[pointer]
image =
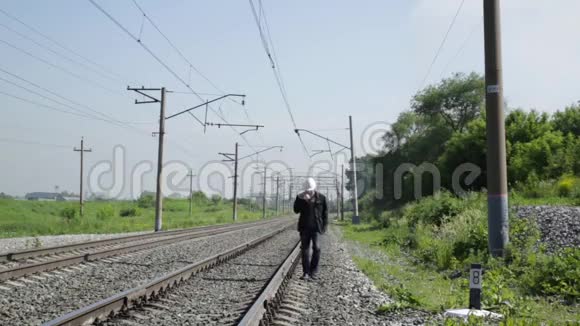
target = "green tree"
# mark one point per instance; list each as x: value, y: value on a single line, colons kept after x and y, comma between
x: 568, y: 121
x: 457, y: 100
x: 465, y: 147
x: 523, y: 127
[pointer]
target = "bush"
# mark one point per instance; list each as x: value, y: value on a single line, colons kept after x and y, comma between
x: 128, y: 212
x: 105, y: 212
x: 557, y: 274
x: 199, y: 197
x: 565, y: 187
x: 433, y: 210
x: 216, y: 199
x: 211, y: 209
x: 145, y: 201
x: 68, y: 213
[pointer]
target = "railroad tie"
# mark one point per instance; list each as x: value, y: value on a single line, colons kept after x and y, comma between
x: 16, y: 284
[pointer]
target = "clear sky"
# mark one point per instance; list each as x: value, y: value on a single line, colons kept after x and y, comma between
x: 337, y: 58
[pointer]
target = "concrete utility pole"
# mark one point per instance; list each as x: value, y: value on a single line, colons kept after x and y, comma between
x: 190, y: 175
x: 497, y: 193
x: 82, y: 150
x: 235, y: 217
x: 161, y: 135
x: 342, y: 192
x: 355, y: 217
x: 290, y: 202
x: 277, y: 193
x: 337, y: 197
x: 159, y: 193
x: 234, y: 159
x: 264, y: 195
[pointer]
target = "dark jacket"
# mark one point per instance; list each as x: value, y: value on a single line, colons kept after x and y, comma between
x: 320, y: 213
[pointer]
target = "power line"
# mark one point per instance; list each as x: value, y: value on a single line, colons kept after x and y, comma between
x: 105, y: 116
x: 442, y: 43
x: 80, y: 112
x: 28, y: 142
x: 462, y: 47
x: 191, y: 65
x: 68, y: 72
x: 275, y: 68
x: 55, y: 52
x: 60, y: 44
x: 50, y: 107
x: 161, y: 62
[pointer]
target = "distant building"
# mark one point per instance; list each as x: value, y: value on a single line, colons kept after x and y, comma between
x: 45, y: 196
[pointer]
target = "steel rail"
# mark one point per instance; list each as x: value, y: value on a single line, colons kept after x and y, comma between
x: 264, y: 307
x: 28, y: 269
x: 136, y: 296
x: 32, y: 253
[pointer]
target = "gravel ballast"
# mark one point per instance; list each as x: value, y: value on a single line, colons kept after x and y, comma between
x: 33, y: 301
x: 218, y: 296
x: 15, y: 244
x: 559, y: 225
x: 343, y: 295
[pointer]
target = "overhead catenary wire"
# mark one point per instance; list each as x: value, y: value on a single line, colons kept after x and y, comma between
x: 275, y: 68
x: 443, y: 41
x: 65, y: 57
x: 60, y: 45
x: 189, y: 63
x: 75, y: 111
x: 50, y: 107
x: 29, y: 142
x: 79, y: 112
x: 462, y: 47
x: 55, y: 66
x: 76, y: 103
x: 161, y: 62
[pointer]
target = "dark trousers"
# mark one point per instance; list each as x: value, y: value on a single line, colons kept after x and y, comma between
x: 310, y: 266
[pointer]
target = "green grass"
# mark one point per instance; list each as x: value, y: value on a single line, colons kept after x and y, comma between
x: 431, y: 289
x: 35, y: 218
x: 427, y: 241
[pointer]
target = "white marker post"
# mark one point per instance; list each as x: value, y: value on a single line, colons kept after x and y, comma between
x: 475, y: 280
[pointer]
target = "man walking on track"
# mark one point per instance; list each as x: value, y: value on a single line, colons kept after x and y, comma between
x: 312, y: 223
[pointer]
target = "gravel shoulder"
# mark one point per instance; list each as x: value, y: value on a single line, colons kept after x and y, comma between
x: 343, y: 295
x: 35, y: 301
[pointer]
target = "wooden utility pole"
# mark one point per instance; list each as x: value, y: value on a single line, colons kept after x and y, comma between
x: 190, y: 175
x: 82, y: 150
x: 497, y: 192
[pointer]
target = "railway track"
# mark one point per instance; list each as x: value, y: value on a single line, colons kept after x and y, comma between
x: 27, y: 262
x: 241, y: 285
